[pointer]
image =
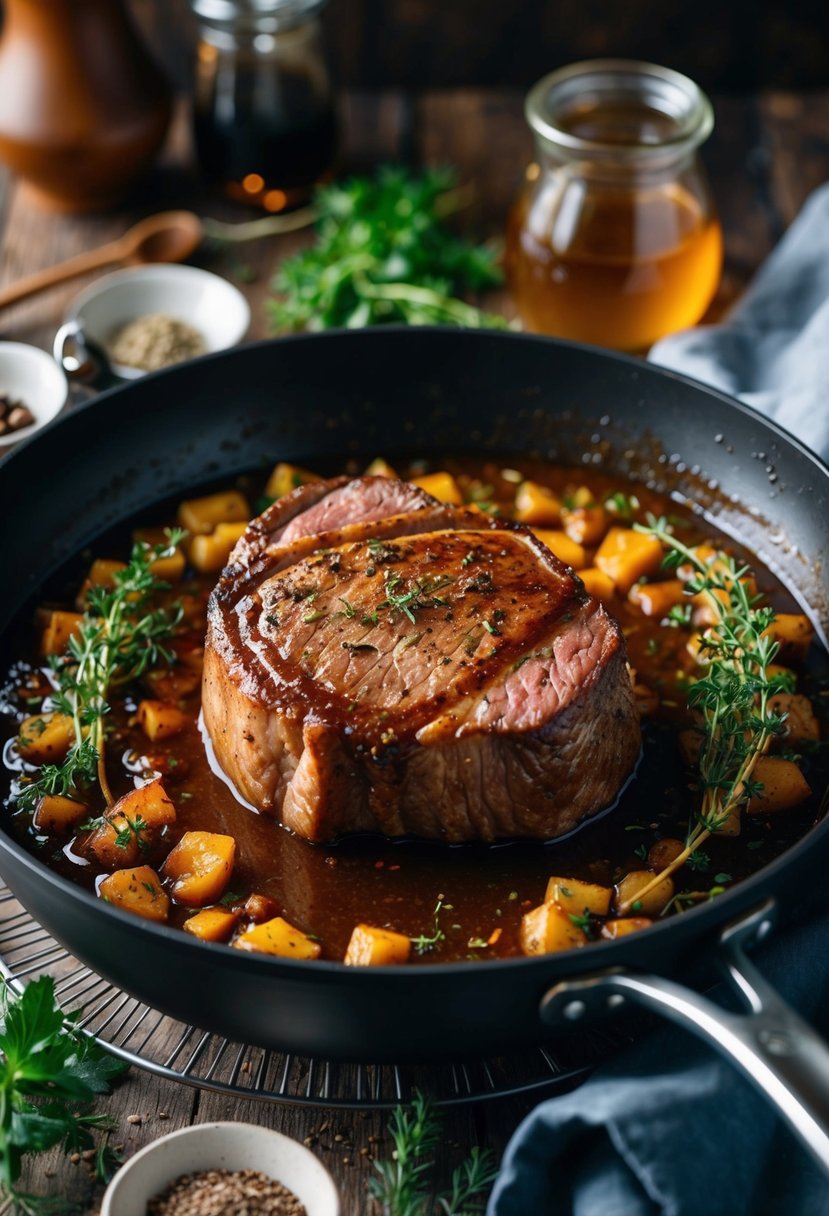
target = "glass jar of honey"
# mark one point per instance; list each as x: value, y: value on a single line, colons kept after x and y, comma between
x: 264, y: 115
x: 614, y: 239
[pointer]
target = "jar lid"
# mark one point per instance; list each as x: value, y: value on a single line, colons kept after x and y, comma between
x: 280, y: 14
x: 618, y: 110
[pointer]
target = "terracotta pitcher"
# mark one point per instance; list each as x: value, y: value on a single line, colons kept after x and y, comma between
x: 83, y: 107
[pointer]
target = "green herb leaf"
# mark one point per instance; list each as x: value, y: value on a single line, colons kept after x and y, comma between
x: 43, y: 1056
x: 383, y: 254
x: 120, y: 637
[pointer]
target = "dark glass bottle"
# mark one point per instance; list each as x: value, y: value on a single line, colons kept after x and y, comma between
x: 264, y: 115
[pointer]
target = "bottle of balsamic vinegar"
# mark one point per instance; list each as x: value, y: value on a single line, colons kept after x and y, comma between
x: 264, y: 112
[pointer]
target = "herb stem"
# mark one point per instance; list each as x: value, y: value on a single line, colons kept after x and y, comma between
x: 731, y: 699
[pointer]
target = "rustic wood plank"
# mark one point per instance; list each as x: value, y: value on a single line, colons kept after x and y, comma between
x: 485, y: 135
x: 422, y: 44
x: 737, y: 159
x: 798, y: 147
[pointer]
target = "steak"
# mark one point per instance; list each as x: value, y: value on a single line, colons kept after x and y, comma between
x: 377, y: 661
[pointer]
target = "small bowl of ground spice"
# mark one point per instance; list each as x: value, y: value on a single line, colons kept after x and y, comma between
x: 222, y: 1169
x: 151, y: 317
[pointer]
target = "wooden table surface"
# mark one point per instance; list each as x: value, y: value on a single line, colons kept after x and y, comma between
x: 767, y: 153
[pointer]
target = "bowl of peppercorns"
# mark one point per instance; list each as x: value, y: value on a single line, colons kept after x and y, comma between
x: 33, y: 390
x: 222, y: 1169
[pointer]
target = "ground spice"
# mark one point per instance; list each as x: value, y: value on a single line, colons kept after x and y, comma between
x: 226, y: 1193
x: 155, y: 341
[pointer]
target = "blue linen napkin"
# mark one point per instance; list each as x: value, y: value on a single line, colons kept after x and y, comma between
x: 669, y: 1128
x: 773, y: 349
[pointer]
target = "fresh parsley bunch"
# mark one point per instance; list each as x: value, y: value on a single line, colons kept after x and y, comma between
x: 49, y: 1074
x: 384, y: 255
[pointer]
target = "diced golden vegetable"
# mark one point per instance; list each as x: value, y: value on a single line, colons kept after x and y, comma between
x: 801, y: 725
x: 626, y: 556
x: 624, y: 925
x: 150, y: 802
x: 201, y: 515
x: 199, y: 868
x: 793, y: 631
x: 704, y: 554
x: 212, y: 924
x: 441, y: 486
x: 101, y: 574
x: 60, y: 627
x: 55, y: 813
x: 132, y: 826
x: 278, y: 937
x: 286, y: 477
x: 597, y: 583
x: 45, y: 738
x: 209, y: 553
x: 381, y: 468
x: 664, y: 853
x: 784, y: 786
x: 167, y: 569
x: 576, y: 896
x: 565, y: 549
x: 585, y: 525
x: 582, y: 496
x: 535, y: 504
x: 549, y: 928
x: 370, y: 947
x: 137, y: 891
x: 656, y: 599
x: 629, y: 899
x: 161, y: 720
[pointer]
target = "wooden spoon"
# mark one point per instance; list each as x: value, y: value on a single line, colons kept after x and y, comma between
x: 170, y: 236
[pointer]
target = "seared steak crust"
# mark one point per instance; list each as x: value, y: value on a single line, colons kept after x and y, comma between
x: 377, y: 661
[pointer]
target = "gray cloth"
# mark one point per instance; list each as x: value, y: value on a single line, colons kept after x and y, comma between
x: 773, y: 350
x: 670, y: 1129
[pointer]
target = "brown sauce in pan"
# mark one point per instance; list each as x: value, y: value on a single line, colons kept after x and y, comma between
x: 326, y: 890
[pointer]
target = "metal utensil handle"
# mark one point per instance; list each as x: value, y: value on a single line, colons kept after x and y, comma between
x: 771, y: 1044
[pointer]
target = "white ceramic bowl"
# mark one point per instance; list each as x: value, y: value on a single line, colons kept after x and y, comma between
x: 32, y: 376
x: 207, y: 302
x: 229, y: 1146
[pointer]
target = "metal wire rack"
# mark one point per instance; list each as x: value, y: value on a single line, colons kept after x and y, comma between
x: 150, y: 1040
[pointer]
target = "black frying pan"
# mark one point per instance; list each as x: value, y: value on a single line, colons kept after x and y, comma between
x: 397, y: 392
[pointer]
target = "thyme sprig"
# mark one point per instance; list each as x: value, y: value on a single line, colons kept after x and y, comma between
x: 402, y: 1187
x: 425, y: 942
x: 421, y: 594
x: 120, y: 636
x: 732, y: 698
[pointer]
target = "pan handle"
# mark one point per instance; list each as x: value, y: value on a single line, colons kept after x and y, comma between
x: 775, y: 1049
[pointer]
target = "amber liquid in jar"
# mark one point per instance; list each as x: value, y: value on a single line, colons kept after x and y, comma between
x: 609, y: 257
